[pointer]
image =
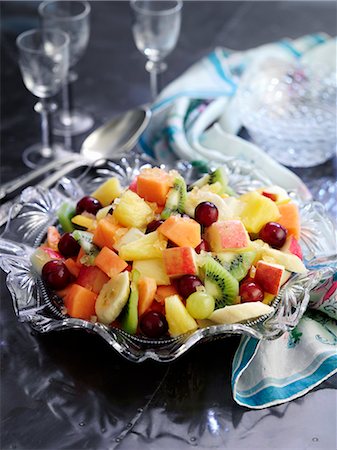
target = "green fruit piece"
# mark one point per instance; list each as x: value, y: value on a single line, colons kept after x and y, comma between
x: 38, y: 259
x: 218, y: 175
x: 84, y: 238
x: 112, y: 298
x: 176, y: 198
x: 129, y: 319
x: 220, y: 284
x: 200, y: 305
x: 65, y: 213
x: 237, y: 264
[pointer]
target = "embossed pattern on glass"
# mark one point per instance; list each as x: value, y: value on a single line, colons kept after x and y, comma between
x: 41, y: 309
x: 290, y: 112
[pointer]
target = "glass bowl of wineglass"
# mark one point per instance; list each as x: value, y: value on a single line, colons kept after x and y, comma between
x: 44, y: 63
x: 156, y: 28
x: 72, y: 17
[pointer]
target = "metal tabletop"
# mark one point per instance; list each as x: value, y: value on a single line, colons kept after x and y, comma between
x: 69, y: 390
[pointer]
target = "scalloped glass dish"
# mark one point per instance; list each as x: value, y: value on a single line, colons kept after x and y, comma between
x: 36, y: 209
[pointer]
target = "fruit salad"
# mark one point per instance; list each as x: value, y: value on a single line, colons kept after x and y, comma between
x: 159, y: 258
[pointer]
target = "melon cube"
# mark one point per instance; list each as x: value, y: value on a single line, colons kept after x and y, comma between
x: 257, y: 211
x: 227, y: 235
x: 180, y: 261
x: 290, y: 219
x: 164, y: 291
x: 177, y: 316
x: 269, y: 276
x: 108, y: 261
x: 153, y: 185
x: 153, y: 268
x: 105, y: 233
x: 80, y: 302
x: 133, y: 211
x: 183, y: 231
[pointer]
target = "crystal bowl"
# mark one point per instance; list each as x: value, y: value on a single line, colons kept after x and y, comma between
x: 36, y: 209
x: 290, y: 112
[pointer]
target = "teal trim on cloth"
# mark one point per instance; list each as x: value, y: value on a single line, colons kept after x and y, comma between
x: 283, y: 382
x: 292, y: 49
x: 263, y: 397
x: 212, y: 57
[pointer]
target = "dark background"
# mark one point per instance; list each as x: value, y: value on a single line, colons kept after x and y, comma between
x: 70, y: 390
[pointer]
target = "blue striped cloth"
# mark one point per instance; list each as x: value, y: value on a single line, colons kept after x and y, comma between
x: 268, y: 373
x: 196, y: 118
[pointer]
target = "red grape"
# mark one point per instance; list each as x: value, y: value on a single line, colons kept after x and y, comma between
x: 250, y: 292
x: 89, y: 204
x: 56, y: 275
x: 206, y: 213
x: 152, y: 226
x: 153, y: 324
x: 187, y: 284
x: 273, y: 234
x: 204, y: 245
x: 68, y: 245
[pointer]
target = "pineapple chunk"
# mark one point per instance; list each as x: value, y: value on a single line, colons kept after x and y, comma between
x: 153, y: 268
x: 108, y: 191
x: 257, y: 211
x: 177, y: 316
x: 84, y: 221
x: 103, y: 212
x: 133, y: 234
x: 133, y: 211
x: 148, y: 246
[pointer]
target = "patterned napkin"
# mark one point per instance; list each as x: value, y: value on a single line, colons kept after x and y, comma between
x: 267, y: 373
x: 196, y: 118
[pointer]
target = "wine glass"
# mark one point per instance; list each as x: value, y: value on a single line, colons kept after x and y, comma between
x: 72, y: 17
x: 44, y: 64
x: 156, y: 27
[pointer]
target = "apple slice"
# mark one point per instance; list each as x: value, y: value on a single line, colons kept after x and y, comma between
x: 240, y: 313
x: 269, y: 276
x: 180, y: 261
x: 292, y: 246
x: 227, y: 235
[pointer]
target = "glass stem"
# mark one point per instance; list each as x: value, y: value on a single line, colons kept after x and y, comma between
x: 66, y: 104
x: 45, y: 128
x: 155, y: 68
x: 155, y: 83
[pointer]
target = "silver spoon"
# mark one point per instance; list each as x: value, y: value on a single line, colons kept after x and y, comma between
x: 112, y: 139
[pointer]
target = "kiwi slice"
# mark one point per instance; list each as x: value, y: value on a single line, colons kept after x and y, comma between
x: 129, y: 317
x: 220, y: 284
x: 176, y: 198
x: 218, y: 175
x: 237, y: 264
x: 84, y: 238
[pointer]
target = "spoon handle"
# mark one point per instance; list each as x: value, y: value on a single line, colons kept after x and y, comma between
x: 54, y: 178
x: 11, y: 186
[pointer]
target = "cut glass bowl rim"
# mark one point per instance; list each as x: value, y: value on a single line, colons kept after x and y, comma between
x: 35, y: 211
